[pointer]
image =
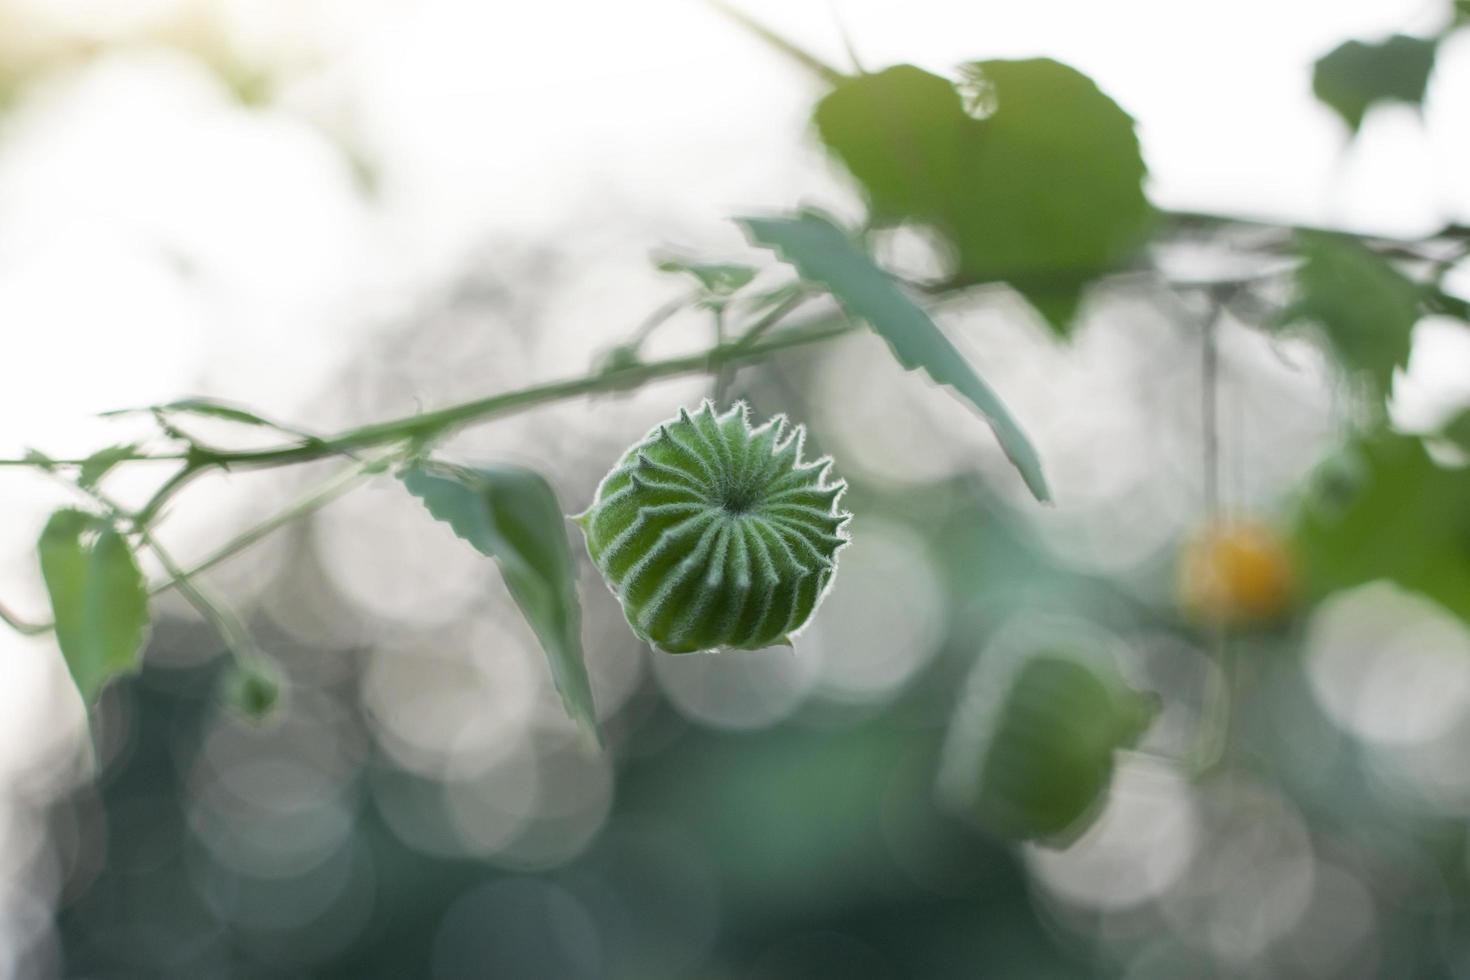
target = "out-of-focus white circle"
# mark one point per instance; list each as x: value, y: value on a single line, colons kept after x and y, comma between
x: 271, y: 818
x: 43, y: 725
x: 1428, y: 776
x: 1253, y: 873
x: 454, y: 708
x: 737, y: 688
x: 574, y: 794
x: 910, y: 434
x: 1389, y: 666
x: 517, y: 927
x: 384, y: 551
x: 883, y: 618
x: 1142, y: 842
x: 489, y: 810
x: 1337, y: 936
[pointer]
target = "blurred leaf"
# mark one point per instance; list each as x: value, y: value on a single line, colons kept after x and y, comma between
x: 1439, y: 301
x: 199, y: 406
x: 511, y: 514
x: 1365, y: 306
x: 717, y: 278
x: 96, y: 466
x: 1031, y: 751
x: 214, y: 409
x: 718, y: 281
x: 1403, y: 518
x: 98, y: 597
x: 823, y: 254
x: 1354, y: 76
x: 1457, y: 430
x: 210, y: 408
x: 1038, y: 181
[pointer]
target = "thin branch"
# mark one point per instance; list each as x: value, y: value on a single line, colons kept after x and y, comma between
x: 430, y: 426
x: 773, y: 316
x: 787, y: 47
x: 22, y: 626
x: 220, y: 617
x: 316, y: 498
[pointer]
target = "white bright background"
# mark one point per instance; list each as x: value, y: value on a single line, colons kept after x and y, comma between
x: 159, y: 239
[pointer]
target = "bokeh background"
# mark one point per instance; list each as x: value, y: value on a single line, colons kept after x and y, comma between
x: 341, y: 211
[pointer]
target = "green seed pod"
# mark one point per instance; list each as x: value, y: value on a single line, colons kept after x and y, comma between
x: 1030, y: 753
x: 715, y: 534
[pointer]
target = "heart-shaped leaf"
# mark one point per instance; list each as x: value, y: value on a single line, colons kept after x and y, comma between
x: 511, y: 514
x: 1032, y: 173
x: 99, y: 598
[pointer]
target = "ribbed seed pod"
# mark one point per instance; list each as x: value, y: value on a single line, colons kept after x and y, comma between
x: 1031, y: 751
x: 714, y: 534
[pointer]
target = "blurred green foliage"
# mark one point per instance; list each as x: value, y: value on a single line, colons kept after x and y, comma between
x: 1365, y: 306
x: 1355, y: 76
x: 819, y: 845
x: 1385, y: 510
x: 1031, y: 173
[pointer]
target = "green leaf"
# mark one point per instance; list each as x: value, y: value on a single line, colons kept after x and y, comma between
x: 97, y: 465
x: 1365, y: 307
x: 98, y: 597
x: 718, y: 280
x: 511, y: 514
x: 1037, y: 181
x: 210, y: 408
x: 1457, y: 430
x: 1355, y: 76
x: 215, y: 409
x: 1400, y: 517
x: 823, y: 254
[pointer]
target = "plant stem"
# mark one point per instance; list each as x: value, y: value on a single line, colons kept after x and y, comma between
x: 219, y: 616
x: 316, y: 498
x: 431, y: 426
x: 22, y: 626
x: 411, y: 433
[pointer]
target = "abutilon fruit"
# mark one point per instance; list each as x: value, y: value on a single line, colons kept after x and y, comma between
x: 1030, y: 754
x: 716, y: 534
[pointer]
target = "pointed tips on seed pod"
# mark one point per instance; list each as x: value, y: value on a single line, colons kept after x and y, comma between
x: 739, y: 408
x: 819, y: 468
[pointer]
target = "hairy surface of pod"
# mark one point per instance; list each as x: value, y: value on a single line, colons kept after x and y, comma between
x: 1031, y: 754
x: 714, y: 534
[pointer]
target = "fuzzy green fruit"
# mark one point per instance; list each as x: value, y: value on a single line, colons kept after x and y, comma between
x: 1031, y: 752
x: 714, y: 534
